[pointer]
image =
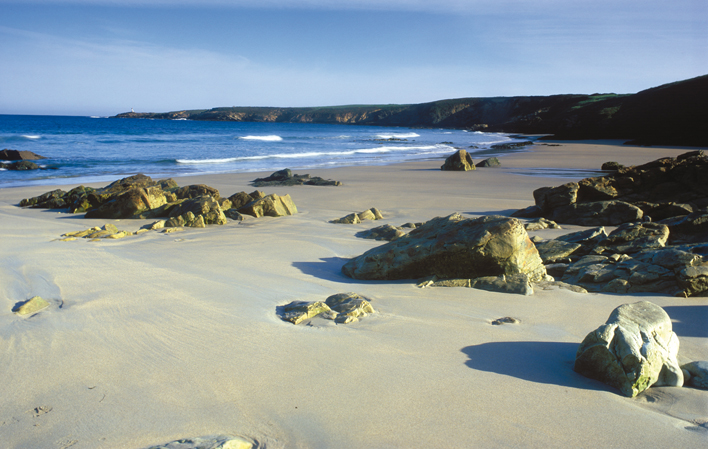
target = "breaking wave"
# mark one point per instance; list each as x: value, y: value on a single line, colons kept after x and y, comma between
x: 262, y: 138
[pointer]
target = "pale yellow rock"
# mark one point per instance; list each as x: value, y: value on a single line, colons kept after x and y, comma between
x: 235, y: 443
x: 117, y: 235
x: 141, y: 231
x: 158, y: 224
x: 32, y: 306
x: 98, y: 234
x: 171, y: 230
x: 67, y: 239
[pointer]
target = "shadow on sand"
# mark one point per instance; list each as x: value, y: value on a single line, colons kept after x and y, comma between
x: 534, y: 361
x: 330, y: 269
x: 689, y: 321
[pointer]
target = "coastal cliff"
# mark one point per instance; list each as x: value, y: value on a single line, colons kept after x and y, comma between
x: 671, y: 114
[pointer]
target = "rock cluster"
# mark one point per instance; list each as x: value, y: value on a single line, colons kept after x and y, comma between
x: 453, y: 247
x: 665, y: 189
x: 343, y: 308
x: 354, y: 218
x: 140, y: 197
x: 633, y: 258
x: 460, y: 161
x: 286, y: 177
x: 632, y: 351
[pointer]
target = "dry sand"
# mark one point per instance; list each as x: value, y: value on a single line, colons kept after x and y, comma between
x: 164, y: 336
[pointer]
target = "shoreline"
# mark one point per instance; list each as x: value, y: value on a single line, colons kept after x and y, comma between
x: 157, y: 337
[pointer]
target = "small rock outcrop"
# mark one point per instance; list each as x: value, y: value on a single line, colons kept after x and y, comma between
x: 286, y: 177
x: 490, y: 162
x: 460, y: 161
x: 211, y: 442
x: 384, y: 232
x: 632, y: 351
x: 343, y: 308
x: 696, y: 374
x: 453, y: 247
x: 354, y: 218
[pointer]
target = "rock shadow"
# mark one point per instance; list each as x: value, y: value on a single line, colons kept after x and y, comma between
x: 534, y: 361
x: 689, y: 321
x: 330, y: 269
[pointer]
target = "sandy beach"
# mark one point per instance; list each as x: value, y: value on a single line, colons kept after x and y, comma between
x: 157, y: 337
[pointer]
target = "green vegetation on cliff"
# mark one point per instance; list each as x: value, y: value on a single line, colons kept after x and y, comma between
x: 672, y: 114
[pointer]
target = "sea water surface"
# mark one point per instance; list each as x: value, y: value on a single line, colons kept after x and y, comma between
x: 100, y: 149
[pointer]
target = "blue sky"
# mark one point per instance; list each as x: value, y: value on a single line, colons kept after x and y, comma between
x: 102, y: 57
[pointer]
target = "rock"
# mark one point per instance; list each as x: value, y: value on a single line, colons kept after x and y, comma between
x: 285, y: 177
x: 298, y: 311
x: 598, y: 213
x: 385, y: 232
x: 31, y: 306
x: 692, y: 228
x: 234, y: 215
x: 238, y: 200
x: 46, y: 198
x: 270, y: 206
x: 552, y: 251
x: 530, y: 212
x: 22, y: 165
x: 697, y: 374
x: 453, y: 247
x: 556, y: 269
x: 194, y: 191
x: 550, y: 198
x: 491, y: 162
x: 460, y: 161
x: 634, y: 237
x: 515, y: 283
x: 505, y: 320
x: 370, y: 214
x: 511, y: 145
x: 611, y: 166
x: 550, y: 285
x: 349, y: 307
x: 14, y: 155
x: 693, y: 280
x: 632, y: 351
x: 130, y: 203
x: 448, y: 283
x: 210, y: 442
x: 541, y: 223
x: 205, y: 206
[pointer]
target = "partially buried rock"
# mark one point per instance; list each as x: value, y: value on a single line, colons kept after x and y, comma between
x: 491, y: 162
x: 460, y: 161
x: 210, y: 442
x: 343, y: 308
x: 285, y: 177
x: 453, y: 247
x: 632, y: 351
x: 271, y: 206
x: 385, y: 232
x: 31, y: 306
x: 369, y: 214
x: 505, y: 320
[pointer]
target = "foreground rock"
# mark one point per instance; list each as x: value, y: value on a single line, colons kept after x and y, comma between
x: 31, y: 306
x: 460, y: 161
x: 141, y: 197
x: 210, y: 442
x: 453, y: 247
x: 285, y: 177
x: 343, y: 308
x: 632, y: 351
x: 659, y: 190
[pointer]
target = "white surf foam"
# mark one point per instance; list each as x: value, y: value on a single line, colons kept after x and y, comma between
x: 31, y: 137
x: 262, y: 138
x: 397, y: 135
x: 207, y: 161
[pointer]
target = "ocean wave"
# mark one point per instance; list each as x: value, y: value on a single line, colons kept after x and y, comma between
x: 31, y: 136
x: 207, y: 161
x: 262, y: 138
x: 397, y: 135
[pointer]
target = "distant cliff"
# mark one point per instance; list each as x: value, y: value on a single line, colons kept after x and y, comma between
x: 672, y: 114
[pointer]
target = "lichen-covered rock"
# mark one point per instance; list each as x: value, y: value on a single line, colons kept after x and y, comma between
x: 270, y: 206
x: 453, y: 247
x: 515, y: 283
x: 298, y: 311
x: 632, y: 351
x: 205, y: 206
x: 598, y: 213
x: 129, y: 203
x: 541, y: 223
x: 349, y: 307
x: 196, y: 190
x: 369, y: 214
x: 347, y: 219
x: 460, y: 161
x: 549, y: 198
x: 31, y: 306
x: 552, y: 251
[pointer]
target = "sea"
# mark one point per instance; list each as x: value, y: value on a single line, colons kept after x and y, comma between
x: 82, y: 150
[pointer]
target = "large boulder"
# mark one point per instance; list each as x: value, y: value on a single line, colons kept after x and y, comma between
x: 460, y: 161
x: 453, y: 247
x: 130, y: 203
x: 632, y: 351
